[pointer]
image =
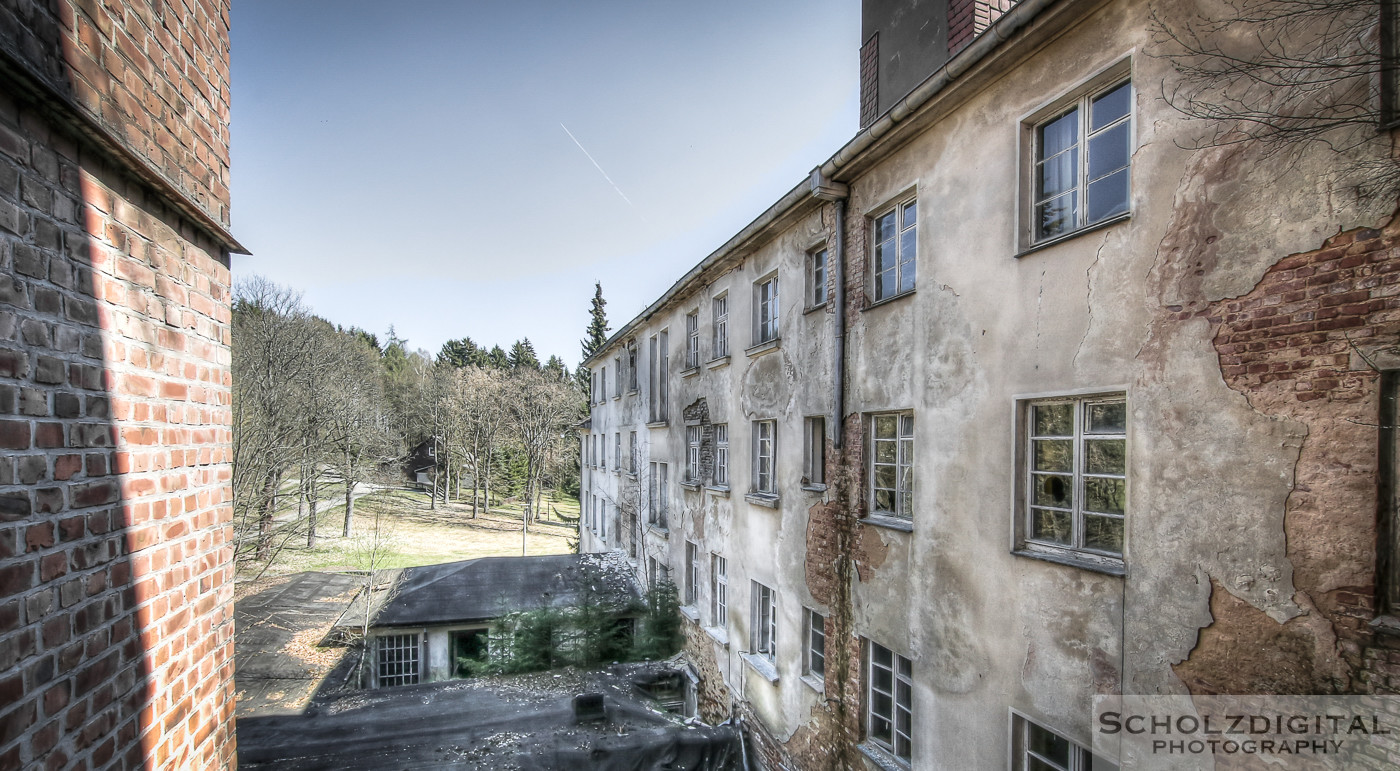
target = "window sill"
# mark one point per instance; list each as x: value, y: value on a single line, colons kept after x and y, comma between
x: 1094, y: 563
x: 762, y: 665
x: 882, y: 758
x: 722, y: 361
x: 690, y: 372
x: 814, y: 682
x: 886, y: 301
x: 690, y: 612
x: 766, y: 500
x: 658, y: 424
x: 814, y: 308
x: 761, y: 348
x: 659, y: 531
x: 1386, y: 624
x: 817, y: 488
x: 718, y: 634
x: 692, y: 486
x: 889, y: 522
x: 1087, y: 229
x: 719, y: 492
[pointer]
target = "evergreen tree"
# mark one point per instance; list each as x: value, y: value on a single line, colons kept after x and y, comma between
x: 462, y: 353
x: 556, y: 369
x: 597, y: 334
x: 497, y: 358
x: 522, y: 355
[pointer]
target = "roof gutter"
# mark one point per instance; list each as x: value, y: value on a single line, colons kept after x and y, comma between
x: 1001, y: 30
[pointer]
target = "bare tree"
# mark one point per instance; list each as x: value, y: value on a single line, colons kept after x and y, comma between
x: 1287, y: 75
x: 542, y: 410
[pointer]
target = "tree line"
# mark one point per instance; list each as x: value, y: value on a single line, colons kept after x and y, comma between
x: 317, y: 406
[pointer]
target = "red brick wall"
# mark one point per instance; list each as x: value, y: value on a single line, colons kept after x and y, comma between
x: 153, y: 73
x: 1296, y: 346
x: 969, y: 18
x: 115, y: 553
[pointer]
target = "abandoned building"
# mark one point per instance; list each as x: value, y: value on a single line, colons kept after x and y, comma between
x: 1025, y: 396
x: 430, y: 622
x: 116, y: 588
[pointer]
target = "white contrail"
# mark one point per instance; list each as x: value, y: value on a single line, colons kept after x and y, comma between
x: 596, y: 166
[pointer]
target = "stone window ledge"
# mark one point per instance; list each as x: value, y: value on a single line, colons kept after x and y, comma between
x: 892, y: 523
x: 766, y: 500
x: 762, y: 348
x: 722, y: 361
x: 1072, y: 559
x: 1386, y: 624
x: 692, y: 486
x: 1073, y: 234
x: 818, y: 307
x: 719, y: 492
x: 762, y: 666
x: 814, y: 682
x: 873, y: 304
x: 882, y: 758
x: 658, y: 531
x: 658, y: 424
x: 719, y: 634
x: 818, y: 488
x: 690, y: 372
x: 690, y: 612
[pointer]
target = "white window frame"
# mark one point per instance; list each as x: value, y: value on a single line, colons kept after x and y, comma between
x: 813, y: 632
x: 692, y: 574
x: 814, y: 451
x: 721, y: 468
x: 602, y: 452
x: 657, y: 498
x: 902, y: 493
x: 719, y: 591
x: 1025, y: 750
x: 899, y: 743
x: 1075, y: 551
x: 904, y: 218
x: 763, y: 635
x: 767, y: 311
x: 818, y: 277
x: 632, y: 377
x: 657, y: 383
x: 692, y: 339
x: 617, y: 379
x: 401, y: 655
x: 1099, y: 84
x: 765, y: 453
x: 693, y: 433
x: 719, y: 311
x: 632, y: 453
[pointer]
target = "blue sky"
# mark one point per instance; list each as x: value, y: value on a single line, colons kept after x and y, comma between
x: 410, y: 163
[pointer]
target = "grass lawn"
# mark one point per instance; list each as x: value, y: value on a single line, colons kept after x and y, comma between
x: 413, y: 533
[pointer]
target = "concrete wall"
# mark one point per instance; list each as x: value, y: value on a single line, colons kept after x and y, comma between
x: 116, y: 601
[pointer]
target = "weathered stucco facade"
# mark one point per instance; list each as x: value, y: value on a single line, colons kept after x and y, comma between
x: 1241, y: 309
x: 116, y: 554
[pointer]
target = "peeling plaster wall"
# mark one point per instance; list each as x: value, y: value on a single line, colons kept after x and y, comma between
x: 1226, y: 553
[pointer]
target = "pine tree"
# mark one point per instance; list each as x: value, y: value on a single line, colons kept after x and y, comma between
x: 597, y: 335
x: 522, y: 355
x: 497, y: 358
x: 463, y: 353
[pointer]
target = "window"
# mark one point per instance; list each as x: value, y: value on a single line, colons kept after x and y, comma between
x: 398, y: 659
x: 889, y: 703
x: 617, y: 453
x: 1082, y: 156
x: 657, y: 499
x: 814, y: 656
x: 764, y: 444
x: 892, y: 465
x: 1075, y: 479
x: 816, y: 278
x: 632, y: 366
x: 603, y: 452
x: 766, y: 310
x: 692, y: 454
x: 814, y: 451
x: 764, y: 634
x: 657, y: 384
x: 593, y: 394
x: 603, y: 519
x: 692, y: 574
x: 1388, y: 537
x: 602, y: 385
x: 1034, y: 748
x: 632, y: 452
x: 617, y: 378
x: 720, y: 313
x: 721, y: 454
x: 895, y: 240
x: 719, y: 591
x: 658, y: 572
x: 692, y: 339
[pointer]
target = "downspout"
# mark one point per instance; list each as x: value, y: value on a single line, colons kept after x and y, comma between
x: 836, y: 192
